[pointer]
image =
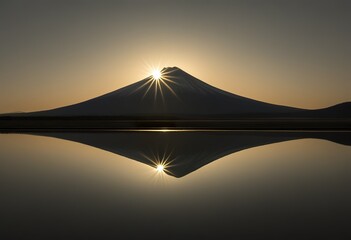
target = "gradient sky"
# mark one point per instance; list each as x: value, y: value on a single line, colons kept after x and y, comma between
x: 55, y: 53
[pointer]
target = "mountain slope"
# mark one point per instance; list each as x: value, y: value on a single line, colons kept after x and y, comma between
x: 342, y: 110
x: 176, y: 94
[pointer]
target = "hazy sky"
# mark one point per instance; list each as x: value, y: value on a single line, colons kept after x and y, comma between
x: 55, y: 53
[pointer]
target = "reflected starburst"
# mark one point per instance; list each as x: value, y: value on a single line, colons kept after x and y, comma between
x: 160, y: 168
x: 160, y: 162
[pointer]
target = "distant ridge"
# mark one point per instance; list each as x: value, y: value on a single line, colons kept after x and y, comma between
x: 339, y: 110
x: 178, y: 95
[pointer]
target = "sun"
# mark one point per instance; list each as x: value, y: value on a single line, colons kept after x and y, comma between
x: 156, y: 74
x: 160, y: 168
x: 157, y: 83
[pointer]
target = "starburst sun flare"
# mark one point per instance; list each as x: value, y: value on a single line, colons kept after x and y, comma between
x: 160, y: 81
x: 156, y: 74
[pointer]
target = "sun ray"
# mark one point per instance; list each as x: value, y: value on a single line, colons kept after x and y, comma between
x: 161, y: 91
x: 143, y: 85
x: 155, y: 97
x: 169, y: 80
x: 161, y: 161
x: 170, y: 89
x: 158, y: 81
x: 150, y: 159
x: 148, y: 89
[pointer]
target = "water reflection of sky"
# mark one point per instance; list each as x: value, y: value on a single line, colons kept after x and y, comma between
x: 299, y: 187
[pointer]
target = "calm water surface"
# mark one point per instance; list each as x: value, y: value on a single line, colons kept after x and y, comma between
x: 219, y: 185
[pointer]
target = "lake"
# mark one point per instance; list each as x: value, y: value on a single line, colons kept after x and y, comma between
x: 215, y: 185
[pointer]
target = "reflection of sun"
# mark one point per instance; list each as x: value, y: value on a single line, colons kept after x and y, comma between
x: 160, y: 168
x: 161, y: 162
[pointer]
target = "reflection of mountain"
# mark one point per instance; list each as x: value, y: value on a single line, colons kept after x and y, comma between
x: 177, y: 94
x: 186, y: 152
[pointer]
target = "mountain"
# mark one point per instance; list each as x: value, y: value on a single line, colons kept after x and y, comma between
x: 185, y: 152
x: 176, y: 94
x: 342, y: 110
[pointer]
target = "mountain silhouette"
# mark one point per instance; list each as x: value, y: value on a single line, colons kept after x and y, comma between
x: 342, y: 110
x: 177, y: 93
x: 185, y: 152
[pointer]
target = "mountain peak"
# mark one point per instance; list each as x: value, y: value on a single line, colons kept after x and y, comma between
x: 166, y: 68
x: 172, y: 71
x: 179, y: 78
x: 170, y: 68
